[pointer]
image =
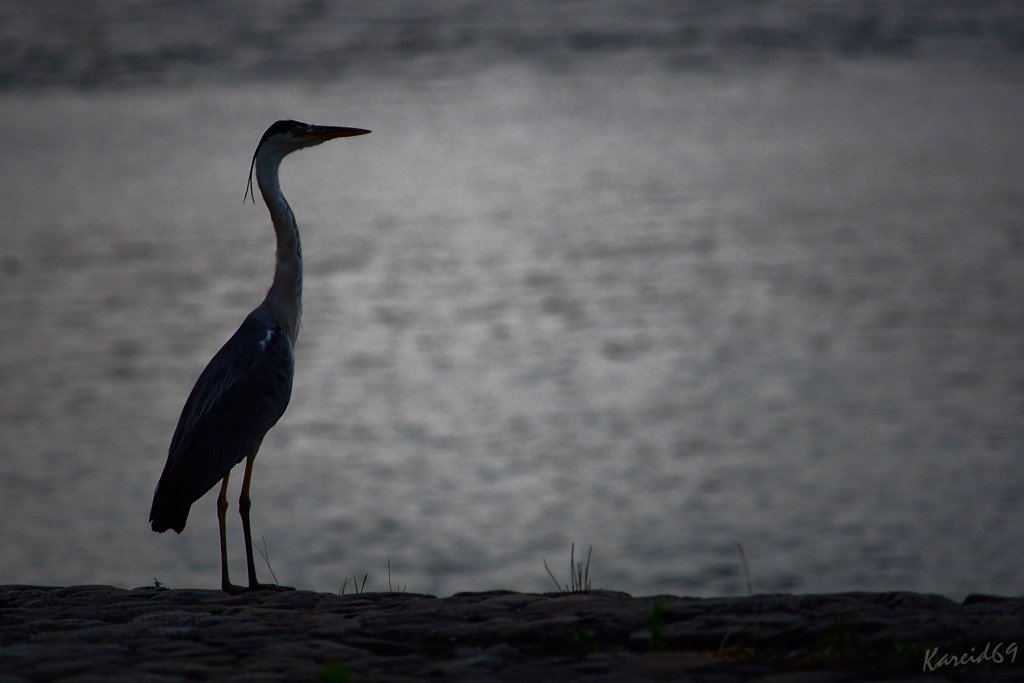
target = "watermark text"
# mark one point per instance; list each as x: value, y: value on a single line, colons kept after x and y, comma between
x: 996, y: 655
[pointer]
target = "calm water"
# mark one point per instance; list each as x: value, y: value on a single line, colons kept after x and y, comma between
x: 650, y: 309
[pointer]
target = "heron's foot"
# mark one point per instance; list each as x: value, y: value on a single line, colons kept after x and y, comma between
x: 266, y: 587
x: 230, y: 588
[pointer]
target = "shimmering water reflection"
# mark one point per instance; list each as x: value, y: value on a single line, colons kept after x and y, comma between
x: 654, y: 312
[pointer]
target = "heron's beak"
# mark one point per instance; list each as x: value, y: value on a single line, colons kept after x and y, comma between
x: 324, y: 133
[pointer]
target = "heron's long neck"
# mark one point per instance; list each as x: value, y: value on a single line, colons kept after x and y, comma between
x: 284, y: 300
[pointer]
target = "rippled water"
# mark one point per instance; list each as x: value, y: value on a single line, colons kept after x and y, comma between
x: 652, y: 310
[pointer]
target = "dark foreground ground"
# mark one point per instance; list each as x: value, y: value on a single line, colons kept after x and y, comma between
x: 100, y: 633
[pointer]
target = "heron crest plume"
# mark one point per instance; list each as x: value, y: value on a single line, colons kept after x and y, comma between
x: 287, y: 135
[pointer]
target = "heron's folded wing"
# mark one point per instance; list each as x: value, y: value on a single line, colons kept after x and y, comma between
x: 238, y: 397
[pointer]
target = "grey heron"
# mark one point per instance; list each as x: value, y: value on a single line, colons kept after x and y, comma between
x: 246, y: 387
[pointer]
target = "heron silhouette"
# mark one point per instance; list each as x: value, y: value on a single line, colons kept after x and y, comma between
x: 246, y: 387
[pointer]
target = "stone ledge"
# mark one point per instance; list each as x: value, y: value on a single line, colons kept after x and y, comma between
x: 101, y: 633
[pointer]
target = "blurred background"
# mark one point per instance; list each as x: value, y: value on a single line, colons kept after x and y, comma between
x: 653, y: 277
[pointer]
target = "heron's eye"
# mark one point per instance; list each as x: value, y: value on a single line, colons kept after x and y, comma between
x: 297, y: 129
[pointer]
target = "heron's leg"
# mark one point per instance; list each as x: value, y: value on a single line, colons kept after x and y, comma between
x: 222, y: 508
x: 243, y: 508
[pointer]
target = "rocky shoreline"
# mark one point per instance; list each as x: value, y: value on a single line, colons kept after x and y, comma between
x: 101, y: 633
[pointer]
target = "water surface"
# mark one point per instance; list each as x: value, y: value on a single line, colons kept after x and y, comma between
x: 653, y: 310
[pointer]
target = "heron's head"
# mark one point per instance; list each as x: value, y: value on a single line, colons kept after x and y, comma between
x: 284, y: 137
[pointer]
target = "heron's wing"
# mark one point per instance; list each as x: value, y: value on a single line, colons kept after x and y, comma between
x: 245, y: 356
x: 240, y: 395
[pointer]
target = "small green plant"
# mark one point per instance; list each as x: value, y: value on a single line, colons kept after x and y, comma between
x: 579, y: 574
x: 356, y: 587
x: 334, y: 673
x: 390, y: 589
x: 835, y: 646
x: 156, y: 583
x: 904, y: 658
x: 583, y: 642
x: 658, y: 613
x: 265, y: 554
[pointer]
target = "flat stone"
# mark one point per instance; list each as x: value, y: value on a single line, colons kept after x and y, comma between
x: 86, y: 633
x: 293, y: 600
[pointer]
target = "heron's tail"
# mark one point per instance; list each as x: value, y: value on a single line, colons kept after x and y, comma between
x: 170, y: 509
